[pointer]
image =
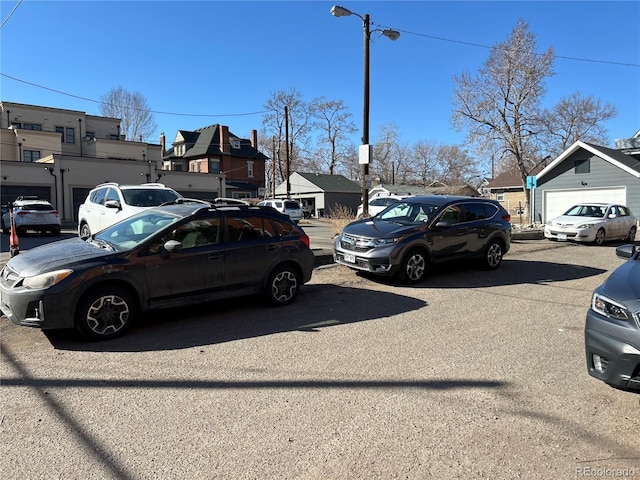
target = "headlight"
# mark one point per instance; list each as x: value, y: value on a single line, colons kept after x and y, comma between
x: 586, y: 225
x: 46, y: 280
x: 382, y: 242
x: 607, y: 307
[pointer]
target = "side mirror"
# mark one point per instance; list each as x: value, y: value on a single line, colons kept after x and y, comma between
x: 626, y: 251
x: 172, y: 246
x: 112, y: 204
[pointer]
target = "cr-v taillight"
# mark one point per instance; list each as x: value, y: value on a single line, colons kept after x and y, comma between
x: 506, y: 217
x: 304, y: 238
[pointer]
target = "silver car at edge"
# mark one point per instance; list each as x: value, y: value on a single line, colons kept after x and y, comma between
x: 612, y: 326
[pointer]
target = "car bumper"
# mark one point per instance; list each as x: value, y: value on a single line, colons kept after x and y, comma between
x: 381, y: 264
x: 611, y: 353
x: 573, y: 235
x: 46, y: 309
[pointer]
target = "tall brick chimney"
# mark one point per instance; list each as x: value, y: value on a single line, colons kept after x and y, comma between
x: 225, y: 145
x: 254, y: 139
x: 163, y: 143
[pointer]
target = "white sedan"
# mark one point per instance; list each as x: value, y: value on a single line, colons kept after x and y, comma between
x: 379, y: 203
x: 593, y: 222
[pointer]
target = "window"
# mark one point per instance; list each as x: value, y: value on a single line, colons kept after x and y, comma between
x: 235, y: 143
x: 250, y: 169
x: 31, y: 155
x: 474, y: 211
x: 32, y: 126
x: 582, y: 165
x: 16, y: 124
x: 68, y: 134
x: 90, y: 135
x: 215, y: 166
x: 199, y: 166
x: 500, y: 196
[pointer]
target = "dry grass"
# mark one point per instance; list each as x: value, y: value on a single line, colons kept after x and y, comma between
x: 339, y: 217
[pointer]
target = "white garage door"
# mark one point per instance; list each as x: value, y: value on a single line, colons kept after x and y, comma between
x: 556, y: 202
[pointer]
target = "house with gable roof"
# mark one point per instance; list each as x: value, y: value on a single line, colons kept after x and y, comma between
x: 589, y: 173
x: 321, y: 193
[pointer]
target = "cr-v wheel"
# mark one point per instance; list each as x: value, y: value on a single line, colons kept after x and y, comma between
x: 105, y: 313
x: 493, y: 255
x: 282, y: 286
x: 414, y: 266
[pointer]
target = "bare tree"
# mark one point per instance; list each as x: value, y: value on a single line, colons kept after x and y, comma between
x: 136, y: 119
x: 336, y: 125
x: 500, y: 107
x: 299, y: 124
x: 575, y: 118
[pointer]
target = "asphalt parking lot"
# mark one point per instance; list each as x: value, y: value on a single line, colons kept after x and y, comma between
x: 471, y: 374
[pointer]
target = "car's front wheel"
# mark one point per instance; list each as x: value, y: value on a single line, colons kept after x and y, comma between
x: 282, y: 286
x: 493, y: 254
x: 414, y: 266
x: 105, y: 313
x: 85, y: 231
x: 600, y: 236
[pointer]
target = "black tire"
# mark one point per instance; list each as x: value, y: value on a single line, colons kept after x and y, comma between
x: 56, y: 231
x: 493, y: 253
x: 600, y: 237
x: 105, y: 313
x: 85, y: 231
x: 632, y: 235
x: 414, y: 266
x: 282, y: 286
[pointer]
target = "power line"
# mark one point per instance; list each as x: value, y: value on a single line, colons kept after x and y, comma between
x: 177, y: 114
x: 471, y: 44
x: 10, y: 13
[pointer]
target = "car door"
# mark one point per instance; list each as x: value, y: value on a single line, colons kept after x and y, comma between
x: 111, y: 214
x: 196, y: 268
x: 449, y: 237
x: 252, y: 246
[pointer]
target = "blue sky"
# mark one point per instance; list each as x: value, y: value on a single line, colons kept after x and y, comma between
x: 204, y: 62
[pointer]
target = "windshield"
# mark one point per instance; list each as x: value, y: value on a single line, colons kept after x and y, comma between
x: 586, y: 211
x: 133, y: 231
x: 148, y: 197
x: 407, y: 213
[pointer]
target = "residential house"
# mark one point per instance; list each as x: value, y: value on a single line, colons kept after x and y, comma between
x: 589, y: 173
x: 214, y: 149
x: 321, y: 194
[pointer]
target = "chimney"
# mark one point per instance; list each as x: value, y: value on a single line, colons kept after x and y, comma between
x: 163, y: 143
x: 254, y: 139
x: 225, y: 146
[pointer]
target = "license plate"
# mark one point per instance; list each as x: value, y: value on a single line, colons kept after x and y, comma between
x: 349, y: 258
x: 562, y: 236
x: 39, y: 215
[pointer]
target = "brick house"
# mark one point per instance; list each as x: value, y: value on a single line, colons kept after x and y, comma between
x: 215, y: 150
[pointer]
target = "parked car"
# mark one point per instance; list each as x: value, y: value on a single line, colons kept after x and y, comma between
x: 378, y: 204
x: 31, y: 213
x: 612, y: 327
x: 109, y: 203
x: 408, y: 237
x: 594, y: 223
x: 168, y: 256
x: 287, y: 206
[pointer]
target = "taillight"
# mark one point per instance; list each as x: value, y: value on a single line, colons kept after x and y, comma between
x: 54, y: 213
x: 23, y: 213
x: 506, y: 217
x: 304, y: 238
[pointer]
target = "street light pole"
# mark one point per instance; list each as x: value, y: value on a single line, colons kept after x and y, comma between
x: 365, y: 153
x: 365, y: 117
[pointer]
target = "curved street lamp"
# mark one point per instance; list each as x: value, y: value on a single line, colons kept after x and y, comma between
x: 365, y: 150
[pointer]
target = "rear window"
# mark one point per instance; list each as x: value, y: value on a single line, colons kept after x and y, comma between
x: 293, y: 205
x: 40, y: 207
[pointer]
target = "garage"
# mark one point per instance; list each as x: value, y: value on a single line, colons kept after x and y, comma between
x: 556, y: 202
x: 10, y: 193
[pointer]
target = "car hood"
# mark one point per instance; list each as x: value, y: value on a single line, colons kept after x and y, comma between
x: 56, y: 255
x: 574, y: 219
x: 377, y: 228
x: 624, y: 283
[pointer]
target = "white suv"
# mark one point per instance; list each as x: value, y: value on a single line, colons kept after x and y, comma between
x: 286, y: 206
x: 31, y: 213
x: 109, y: 203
